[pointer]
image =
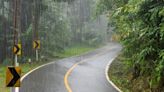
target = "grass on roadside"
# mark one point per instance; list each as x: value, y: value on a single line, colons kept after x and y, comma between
x: 122, y: 76
x: 117, y: 74
x: 75, y: 50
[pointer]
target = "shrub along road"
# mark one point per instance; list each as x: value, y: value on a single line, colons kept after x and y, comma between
x: 85, y: 73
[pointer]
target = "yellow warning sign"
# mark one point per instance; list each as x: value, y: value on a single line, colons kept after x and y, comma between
x: 13, y: 75
x: 36, y: 44
x: 17, y: 49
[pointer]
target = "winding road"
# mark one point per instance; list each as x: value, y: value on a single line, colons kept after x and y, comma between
x: 84, y: 73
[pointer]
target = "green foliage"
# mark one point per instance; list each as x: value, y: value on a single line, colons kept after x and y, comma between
x: 140, y: 23
x: 108, y: 5
x: 57, y: 23
x: 54, y: 30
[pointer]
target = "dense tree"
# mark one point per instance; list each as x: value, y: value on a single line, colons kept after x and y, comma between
x: 59, y: 24
x: 140, y: 23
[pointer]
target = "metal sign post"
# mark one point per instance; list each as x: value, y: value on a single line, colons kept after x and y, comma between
x: 36, y: 46
x: 16, y: 61
x: 37, y: 56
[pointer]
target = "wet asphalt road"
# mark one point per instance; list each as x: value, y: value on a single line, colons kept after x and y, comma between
x: 87, y: 76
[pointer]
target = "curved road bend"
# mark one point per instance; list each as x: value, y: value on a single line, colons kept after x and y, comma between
x: 85, y: 73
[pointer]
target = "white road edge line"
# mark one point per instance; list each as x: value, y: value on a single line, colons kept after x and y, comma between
x: 24, y: 76
x: 107, y: 77
x: 106, y: 73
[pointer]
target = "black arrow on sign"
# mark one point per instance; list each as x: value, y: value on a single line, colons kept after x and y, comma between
x: 37, y: 44
x: 16, y: 77
x: 17, y: 49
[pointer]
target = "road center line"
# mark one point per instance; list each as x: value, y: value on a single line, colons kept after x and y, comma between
x: 67, y: 85
x: 67, y: 75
